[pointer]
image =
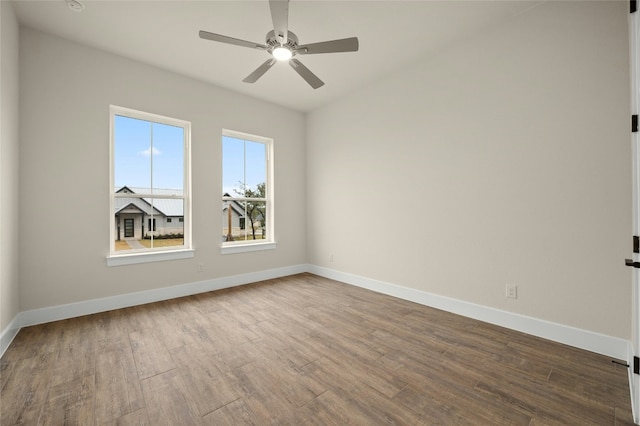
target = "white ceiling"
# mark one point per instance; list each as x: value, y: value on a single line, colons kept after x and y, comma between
x: 393, y: 34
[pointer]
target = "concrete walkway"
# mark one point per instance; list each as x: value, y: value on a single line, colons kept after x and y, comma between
x: 135, y: 244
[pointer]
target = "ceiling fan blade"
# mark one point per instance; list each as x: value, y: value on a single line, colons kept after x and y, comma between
x: 343, y: 45
x: 304, y: 72
x: 230, y: 40
x: 259, y: 72
x: 280, y: 18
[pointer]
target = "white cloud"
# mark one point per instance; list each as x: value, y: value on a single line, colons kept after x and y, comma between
x: 147, y: 152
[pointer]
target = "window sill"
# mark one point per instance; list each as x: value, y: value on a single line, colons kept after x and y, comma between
x: 148, y: 257
x: 243, y: 248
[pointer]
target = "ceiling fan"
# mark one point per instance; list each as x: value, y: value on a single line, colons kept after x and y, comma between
x: 283, y: 45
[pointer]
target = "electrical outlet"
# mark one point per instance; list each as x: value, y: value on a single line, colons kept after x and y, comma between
x: 331, y: 258
x: 200, y: 267
x: 512, y: 291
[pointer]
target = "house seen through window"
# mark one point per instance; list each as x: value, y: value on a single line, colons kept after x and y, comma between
x: 149, y: 156
x: 247, y: 189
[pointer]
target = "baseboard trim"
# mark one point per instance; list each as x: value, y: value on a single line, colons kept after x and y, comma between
x: 71, y: 310
x: 9, y: 333
x: 595, y: 342
x: 599, y: 343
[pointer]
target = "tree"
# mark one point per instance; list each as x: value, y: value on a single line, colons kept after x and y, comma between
x: 256, y: 210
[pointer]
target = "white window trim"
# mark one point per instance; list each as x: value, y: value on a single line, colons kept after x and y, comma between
x: 132, y: 258
x: 270, y: 244
x: 151, y: 255
x: 244, y: 248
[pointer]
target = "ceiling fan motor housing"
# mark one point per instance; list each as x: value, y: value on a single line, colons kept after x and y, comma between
x: 273, y: 41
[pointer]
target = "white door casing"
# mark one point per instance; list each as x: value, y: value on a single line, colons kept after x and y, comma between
x: 634, y: 44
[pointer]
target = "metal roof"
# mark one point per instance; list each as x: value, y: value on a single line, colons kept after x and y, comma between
x: 163, y: 206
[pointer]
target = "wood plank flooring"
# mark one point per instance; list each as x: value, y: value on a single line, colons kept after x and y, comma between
x: 300, y: 350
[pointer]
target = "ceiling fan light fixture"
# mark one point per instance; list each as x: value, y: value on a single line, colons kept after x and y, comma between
x: 282, y: 53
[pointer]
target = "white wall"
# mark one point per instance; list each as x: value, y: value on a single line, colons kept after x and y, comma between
x: 65, y: 93
x: 9, y: 154
x: 503, y: 158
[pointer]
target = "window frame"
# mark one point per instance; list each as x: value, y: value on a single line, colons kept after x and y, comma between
x: 156, y: 254
x: 270, y: 242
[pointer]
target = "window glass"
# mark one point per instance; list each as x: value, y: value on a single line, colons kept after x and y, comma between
x: 149, y: 186
x: 246, y: 189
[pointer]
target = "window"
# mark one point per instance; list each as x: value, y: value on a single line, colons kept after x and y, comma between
x: 247, y: 192
x: 150, y: 174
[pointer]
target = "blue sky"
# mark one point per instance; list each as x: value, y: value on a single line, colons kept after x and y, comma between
x: 139, y: 143
x: 133, y: 154
x: 245, y: 161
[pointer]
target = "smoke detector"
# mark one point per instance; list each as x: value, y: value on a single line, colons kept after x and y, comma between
x: 75, y: 5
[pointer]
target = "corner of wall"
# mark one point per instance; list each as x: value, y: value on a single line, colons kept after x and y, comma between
x: 9, y: 333
x: 9, y: 164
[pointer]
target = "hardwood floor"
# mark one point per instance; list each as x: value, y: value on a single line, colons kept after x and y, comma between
x: 300, y: 350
